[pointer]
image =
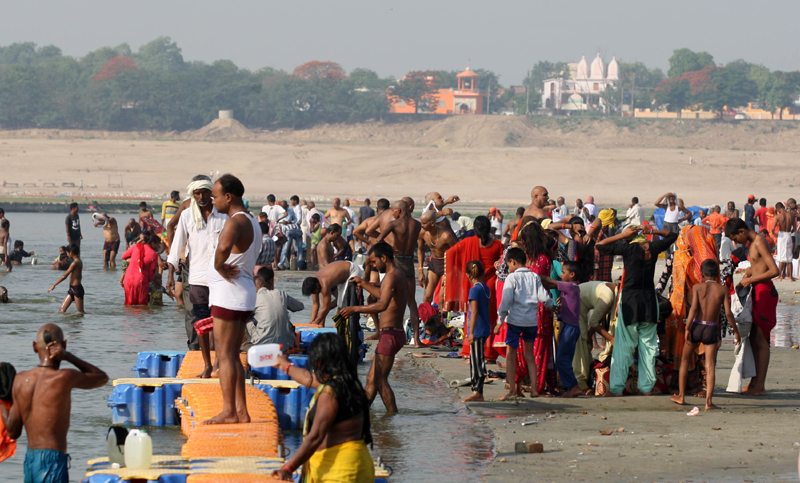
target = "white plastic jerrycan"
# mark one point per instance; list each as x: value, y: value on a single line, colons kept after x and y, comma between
x: 265, y: 355
x: 115, y: 440
x: 138, y: 450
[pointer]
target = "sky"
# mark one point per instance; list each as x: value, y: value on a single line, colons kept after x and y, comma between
x: 394, y: 37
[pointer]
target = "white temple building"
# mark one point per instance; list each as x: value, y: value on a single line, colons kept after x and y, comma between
x: 581, y: 91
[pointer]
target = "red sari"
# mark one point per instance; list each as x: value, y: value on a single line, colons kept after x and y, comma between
x: 143, y: 262
x: 456, y: 286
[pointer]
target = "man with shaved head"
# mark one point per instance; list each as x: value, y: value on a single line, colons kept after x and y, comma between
x: 439, y: 241
x: 337, y: 215
x: 42, y: 404
x: 540, y: 198
x: 405, y: 232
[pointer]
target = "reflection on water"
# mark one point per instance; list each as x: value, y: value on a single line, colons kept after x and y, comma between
x: 433, y: 435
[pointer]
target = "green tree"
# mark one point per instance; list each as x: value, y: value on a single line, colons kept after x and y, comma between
x: 675, y: 94
x: 780, y: 92
x: 636, y: 75
x: 731, y: 87
x: 160, y: 54
x: 685, y: 60
x: 418, y: 88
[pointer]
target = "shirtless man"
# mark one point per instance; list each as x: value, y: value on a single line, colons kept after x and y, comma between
x: 327, y: 288
x: 4, y: 225
x: 232, y: 294
x: 439, y: 241
x: 111, y: 245
x: 144, y: 213
x: 360, y: 233
x: 405, y: 231
x: 512, y: 225
x: 439, y: 203
x: 380, y: 222
x: 42, y: 404
x: 391, y: 304
x: 702, y: 328
x: 765, y: 298
x: 333, y: 238
x: 540, y: 198
x: 784, y: 231
x: 75, y: 274
x: 337, y: 215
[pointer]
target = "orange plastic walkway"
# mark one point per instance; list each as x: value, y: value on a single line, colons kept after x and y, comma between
x: 193, y: 364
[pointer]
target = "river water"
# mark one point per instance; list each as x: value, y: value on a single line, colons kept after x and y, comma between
x: 432, y: 437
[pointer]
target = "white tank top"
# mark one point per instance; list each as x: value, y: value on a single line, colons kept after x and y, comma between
x: 672, y: 216
x: 241, y: 294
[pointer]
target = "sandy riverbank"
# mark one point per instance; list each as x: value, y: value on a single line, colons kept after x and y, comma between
x: 757, y: 439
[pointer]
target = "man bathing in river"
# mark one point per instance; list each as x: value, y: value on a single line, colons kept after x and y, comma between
x: 702, y: 327
x: 111, y: 236
x: 75, y: 274
x: 42, y: 404
x: 193, y: 228
x: 439, y: 241
x: 765, y: 298
x: 405, y: 231
x: 327, y: 288
x: 332, y: 239
x: 784, y: 232
x: 540, y: 199
x: 232, y: 294
x: 392, y: 301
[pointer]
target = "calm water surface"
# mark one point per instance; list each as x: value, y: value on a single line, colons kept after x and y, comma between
x: 433, y: 426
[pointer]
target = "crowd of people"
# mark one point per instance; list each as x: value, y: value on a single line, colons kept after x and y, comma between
x: 537, y: 291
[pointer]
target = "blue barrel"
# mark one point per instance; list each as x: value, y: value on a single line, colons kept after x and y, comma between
x: 308, y: 334
x: 275, y: 374
x: 158, y: 363
x: 291, y: 404
x: 144, y: 405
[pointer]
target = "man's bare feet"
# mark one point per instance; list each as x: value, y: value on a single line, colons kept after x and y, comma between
x: 701, y: 394
x: 677, y: 399
x: 534, y: 393
x: 611, y: 394
x: 222, y: 418
x: 501, y: 365
x: 754, y: 392
x: 474, y: 397
x: 574, y: 391
x: 509, y: 395
x: 712, y: 406
x: 205, y: 374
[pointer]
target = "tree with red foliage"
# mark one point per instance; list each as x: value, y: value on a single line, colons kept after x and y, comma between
x: 418, y: 88
x: 316, y: 70
x: 115, y: 67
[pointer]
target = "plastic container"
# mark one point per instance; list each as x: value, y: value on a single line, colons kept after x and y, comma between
x: 116, y: 444
x: 138, y: 450
x: 265, y: 355
x: 275, y: 374
x: 142, y: 405
x: 158, y: 363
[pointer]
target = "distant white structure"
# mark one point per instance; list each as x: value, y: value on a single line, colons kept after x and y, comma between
x: 226, y: 114
x: 581, y: 90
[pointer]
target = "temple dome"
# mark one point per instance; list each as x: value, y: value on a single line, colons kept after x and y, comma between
x: 598, y: 68
x: 613, y: 69
x: 583, y: 69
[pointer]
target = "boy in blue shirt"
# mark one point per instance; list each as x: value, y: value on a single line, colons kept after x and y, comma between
x: 479, y: 328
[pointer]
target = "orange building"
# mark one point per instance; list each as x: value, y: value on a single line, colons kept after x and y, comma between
x: 467, y: 99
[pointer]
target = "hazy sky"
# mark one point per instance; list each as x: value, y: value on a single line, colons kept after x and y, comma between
x: 395, y: 37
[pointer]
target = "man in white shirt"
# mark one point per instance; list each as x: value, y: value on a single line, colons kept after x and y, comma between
x: 591, y: 208
x: 198, y: 227
x: 635, y: 214
x: 273, y: 210
x: 561, y: 211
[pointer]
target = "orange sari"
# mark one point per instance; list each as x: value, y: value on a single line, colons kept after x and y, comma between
x: 695, y: 244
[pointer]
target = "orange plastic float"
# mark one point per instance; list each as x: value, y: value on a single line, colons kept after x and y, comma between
x: 229, y: 478
x: 193, y: 364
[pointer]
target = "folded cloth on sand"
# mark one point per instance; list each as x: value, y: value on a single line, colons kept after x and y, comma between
x: 785, y: 246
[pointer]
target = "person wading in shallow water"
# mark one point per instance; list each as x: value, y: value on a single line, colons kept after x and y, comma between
x: 42, y: 404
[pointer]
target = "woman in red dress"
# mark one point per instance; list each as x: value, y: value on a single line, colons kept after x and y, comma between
x: 484, y: 247
x: 142, y: 265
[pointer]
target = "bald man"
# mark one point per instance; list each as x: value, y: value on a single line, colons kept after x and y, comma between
x: 42, y: 404
x: 337, y: 215
x: 439, y: 241
x: 380, y: 222
x: 540, y: 199
x: 405, y: 231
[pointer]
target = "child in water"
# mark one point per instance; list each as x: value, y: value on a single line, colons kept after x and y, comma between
x: 479, y: 328
x: 62, y: 261
x: 702, y: 327
x: 75, y: 274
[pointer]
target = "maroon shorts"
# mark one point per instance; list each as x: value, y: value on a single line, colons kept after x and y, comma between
x: 390, y: 341
x: 233, y: 315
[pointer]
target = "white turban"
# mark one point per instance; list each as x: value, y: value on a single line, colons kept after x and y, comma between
x: 202, y: 184
x: 432, y: 206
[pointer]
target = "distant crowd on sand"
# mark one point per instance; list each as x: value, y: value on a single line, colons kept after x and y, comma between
x: 536, y: 291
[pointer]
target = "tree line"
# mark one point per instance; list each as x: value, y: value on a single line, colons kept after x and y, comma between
x: 154, y: 88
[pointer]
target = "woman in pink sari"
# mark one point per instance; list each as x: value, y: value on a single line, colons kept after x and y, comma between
x: 142, y: 265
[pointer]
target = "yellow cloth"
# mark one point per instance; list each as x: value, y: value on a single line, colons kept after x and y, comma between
x: 546, y: 223
x: 599, y: 299
x: 348, y: 462
x: 607, y: 217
